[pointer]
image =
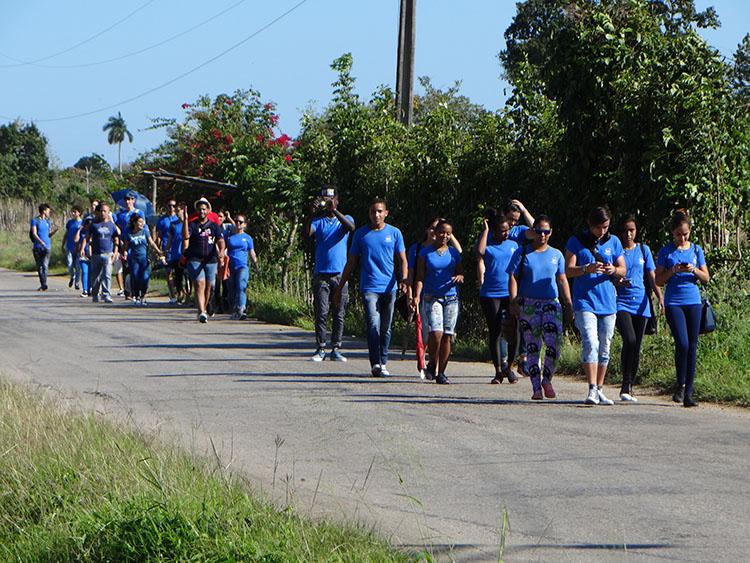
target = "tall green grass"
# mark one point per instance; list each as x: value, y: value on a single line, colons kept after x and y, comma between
x: 16, y: 254
x: 76, y: 488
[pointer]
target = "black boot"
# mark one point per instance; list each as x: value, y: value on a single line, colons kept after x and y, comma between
x: 689, y: 402
x: 679, y: 394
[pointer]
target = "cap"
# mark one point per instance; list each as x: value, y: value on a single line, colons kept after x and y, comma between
x: 328, y: 191
x: 130, y: 195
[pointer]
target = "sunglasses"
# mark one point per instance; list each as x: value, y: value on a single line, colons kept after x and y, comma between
x: 543, y: 231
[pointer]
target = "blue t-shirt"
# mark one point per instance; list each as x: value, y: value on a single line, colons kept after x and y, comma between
x: 517, y: 234
x: 540, y: 271
x: 439, y: 269
x: 376, y: 250
x: 123, y: 217
x: 137, y: 243
x: 632, y: 298
x: 175, y: 250
x: 162, y: 228
x: 331, y: 238
x: 411, y: 256
x: 42, y: 231
x: 238, y: 245
x: 71, y: 228
x: 102, y: 237
x: 595, y: 293
x: 496, y: 259
x: 682, y: 288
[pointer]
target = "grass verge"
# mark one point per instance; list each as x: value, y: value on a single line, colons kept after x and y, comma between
x: 77, y: 488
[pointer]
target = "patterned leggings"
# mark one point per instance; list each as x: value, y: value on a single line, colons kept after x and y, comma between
x: 541, y: 322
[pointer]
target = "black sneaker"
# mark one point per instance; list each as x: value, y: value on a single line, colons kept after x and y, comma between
x: 498, y: 379
x: 689, y: 402
x: 679, y: 394
x: 70, y: 283
x: 441, y: 379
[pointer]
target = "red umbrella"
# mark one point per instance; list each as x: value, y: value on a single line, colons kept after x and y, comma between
x: 420, y: 344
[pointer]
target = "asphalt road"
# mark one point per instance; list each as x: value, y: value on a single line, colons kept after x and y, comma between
x: 425, y: 465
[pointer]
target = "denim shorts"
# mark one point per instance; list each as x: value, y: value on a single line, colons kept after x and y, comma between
x: 199, y: 271
x: 442, y: 313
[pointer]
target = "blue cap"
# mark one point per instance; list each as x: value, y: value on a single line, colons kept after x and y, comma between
x: 129, y: 195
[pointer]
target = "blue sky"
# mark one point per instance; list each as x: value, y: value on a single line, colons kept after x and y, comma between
x: 288, y: 62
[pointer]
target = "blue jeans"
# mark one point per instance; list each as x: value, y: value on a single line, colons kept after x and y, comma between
x: 596, y: 336
x: 685, y: 323
x: 72, y: 261
x: 85, y: 285
x: 378, y: 316
x: 41, y: 257
x: 101, y: 271
x: 238, y: 284
x: 140, y: 274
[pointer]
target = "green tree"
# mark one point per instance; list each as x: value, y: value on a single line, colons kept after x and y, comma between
x: 94, y: 163
x: 643, y: 105
x: 117, y: 131
x: 24, y: 165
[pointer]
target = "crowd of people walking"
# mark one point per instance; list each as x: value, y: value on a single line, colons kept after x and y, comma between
x: 598, y: 282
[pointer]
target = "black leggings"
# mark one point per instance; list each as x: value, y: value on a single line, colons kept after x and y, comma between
x: 631, y: 329
x: 500, y: 323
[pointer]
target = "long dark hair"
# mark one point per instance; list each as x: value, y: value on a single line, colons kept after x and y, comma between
x: 599, y: 215
x: 133, y: 220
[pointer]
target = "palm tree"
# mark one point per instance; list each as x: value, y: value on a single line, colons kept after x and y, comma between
x: 117, y: 132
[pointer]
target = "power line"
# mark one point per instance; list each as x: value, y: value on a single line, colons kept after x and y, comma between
x: 87, y: 40
x: 176, y: 78
x: 143, y: 50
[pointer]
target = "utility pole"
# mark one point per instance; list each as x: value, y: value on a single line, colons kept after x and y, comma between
x: 405, y: 63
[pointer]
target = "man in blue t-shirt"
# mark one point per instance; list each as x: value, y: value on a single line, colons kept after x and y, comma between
x: 69, y: 246
x: 41, y: 232
x: 121, y: 220
x: 374, y: 247
x: 104, y: 239
x: 330, y: 230
x: 163, y: 224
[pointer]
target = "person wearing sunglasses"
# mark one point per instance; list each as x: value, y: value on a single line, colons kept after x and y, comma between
x: 592, y: 258
x: 239, y: 247
x: 633, y: 308
x: 537, y: 280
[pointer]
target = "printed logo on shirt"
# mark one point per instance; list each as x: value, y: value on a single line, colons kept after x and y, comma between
x: 608, y: 251
x: 641, y: 261
x: 388, y: 238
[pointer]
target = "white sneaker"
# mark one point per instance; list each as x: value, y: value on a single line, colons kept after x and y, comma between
x: 593, y: 398
x: 172, y: 300
x: 202, y: 317
x: 319, y: 355
x: 603, y: 398
x: 384, y: 372
x: 628, y: 398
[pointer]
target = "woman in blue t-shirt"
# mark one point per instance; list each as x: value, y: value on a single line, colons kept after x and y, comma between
x: 136, y: 240
x: 495, y: 250
x: 592, y: 257
x: 239, y: 247
x: 537, y: 278
x: 439, y: 271
x: 681, y: 266
x: 633, y: 302
x: 411, y: 261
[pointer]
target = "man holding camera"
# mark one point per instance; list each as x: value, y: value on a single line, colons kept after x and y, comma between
x: 330, y: 229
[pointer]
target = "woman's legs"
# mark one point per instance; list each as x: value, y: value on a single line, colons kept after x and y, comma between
x: 493, y: 316
x: 684, y: 323
x: 531, y: 329
x: 552, y: 330
x: 628, y: 355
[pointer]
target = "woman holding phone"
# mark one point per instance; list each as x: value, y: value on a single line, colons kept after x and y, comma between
x: 592, y: 258
x: 680, y: 267
x: 633, y: 307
